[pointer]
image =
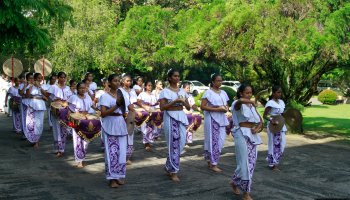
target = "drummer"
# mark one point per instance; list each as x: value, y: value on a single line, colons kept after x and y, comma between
x: 114, y: 133
x: 33, y: 128
x: 130, y: 98
x: 60, y: 92
x: 105, y: 89
x: 147, y: 101
x: 187, y: 86
x: 83, y: 104
x: 16, y: 114
x: 24, y: 101
x: 277, y: 141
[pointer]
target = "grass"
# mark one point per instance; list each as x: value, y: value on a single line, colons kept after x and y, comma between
x: 328, y: 119
x: 325, y: 119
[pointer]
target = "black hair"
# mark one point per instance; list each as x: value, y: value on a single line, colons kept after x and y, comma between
x: 124, y: 76
x: 87, y: 74
x: 274, y: 88
x: 212, y: 78
x: 36, y: 75
x: 51, y: 77
x: 28, y: 75
x: 241, y: 90
x: 104, y: 80
x: 170, y: 73
x: 138, y: 77
x: 185, y: 84
x: 71, y: 82
x: 61, y: 73
x: 111, y: 77
x: 21, y: 76
x: 79, y: 84
x: 84, y: 80
x: 146, y: 82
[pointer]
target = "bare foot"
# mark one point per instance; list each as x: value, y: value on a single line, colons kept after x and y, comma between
x: 235, y: 189
x: 246, y: 196
x: 120, y: 182
x: 174, y: 177
x: 80, y: 165
x: 209, y: 165
x: 215, y: 168
x: 113, y: 184
x: 148, y: 147
x: 275, y: 168
x: 59, y: 154
x: 128, y: 162
x: 36, y: 145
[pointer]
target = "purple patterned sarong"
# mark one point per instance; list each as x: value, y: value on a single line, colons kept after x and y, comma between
x: 115, y: 156
x: 33, y: 123
x: 172, y: 164
x: 16, y: 121
x: 273, y: 159
x: 244, y: 184
x: 80, y: 147
x: 213, y: 155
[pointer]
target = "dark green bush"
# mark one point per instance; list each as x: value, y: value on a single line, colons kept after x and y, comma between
x: 230, y: 93
x: 327, y: 97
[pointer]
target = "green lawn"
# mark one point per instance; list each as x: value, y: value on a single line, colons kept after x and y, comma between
x: 328, y: 119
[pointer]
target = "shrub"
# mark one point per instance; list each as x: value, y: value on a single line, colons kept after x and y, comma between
x: 230, y: 93
x: 327, y: 97
x: 198, y: 99
x: 295, y: 105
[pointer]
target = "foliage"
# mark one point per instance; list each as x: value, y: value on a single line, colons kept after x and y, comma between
x: 295, y: 105
x: 83, y: 46
x: 198, y: 99
x: 261, y: 42
x: 230, y: 93
x: 327, y: 97
x: 27, y: 27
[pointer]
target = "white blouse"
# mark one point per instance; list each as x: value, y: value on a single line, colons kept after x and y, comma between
x: 148, y: 98
x: 77, y: 104
x: 246, y: 114
x: 36, y: 104
x: 112, y: 125
x: 216, y: 100
x: 129, y: 97
x: 276, y: 109
x: 13, y: 91
x: 60, y: 93
x: 93, y: 86
x: 170, y: 96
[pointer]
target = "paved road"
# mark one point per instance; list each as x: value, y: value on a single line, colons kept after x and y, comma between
x: 310, y: 169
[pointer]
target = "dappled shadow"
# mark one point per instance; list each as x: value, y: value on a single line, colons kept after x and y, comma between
x: 308, y: 171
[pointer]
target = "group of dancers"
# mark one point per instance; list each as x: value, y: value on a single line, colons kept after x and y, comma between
x: 118, y: 99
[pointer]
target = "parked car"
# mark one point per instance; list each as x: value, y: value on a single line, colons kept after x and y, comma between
x: 232, y: 84
x: 326, y: 84
x: 196, y: 87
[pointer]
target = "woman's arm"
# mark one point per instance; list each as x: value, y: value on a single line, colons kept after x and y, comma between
x: 106, y: 112
x: 241, y: 101
x: 204, y: 106
x: 165, y: 106
x: 28, y: 91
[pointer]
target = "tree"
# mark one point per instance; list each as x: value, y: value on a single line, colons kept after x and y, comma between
x: 83, y: 45
x: 28, y: 26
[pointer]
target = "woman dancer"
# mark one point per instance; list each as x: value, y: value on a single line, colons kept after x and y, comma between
x: 156, y: 92
x: 130, y: 98
x: 60, y: 92
x: 187, y: 86
x: 33, y: 128
x: 277, y: 142
x: 81, y: 103
x: 52, y: 82
x: 214, y: 104
x: 147, y: 101
x: 16, y: 114
x: 24, y: 100
x: 172, y: 100
x: 247, y: 125
x: 73, y: 86
x: 115, y: 133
